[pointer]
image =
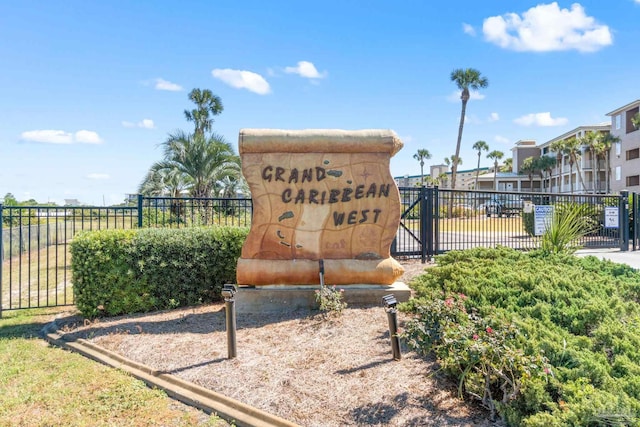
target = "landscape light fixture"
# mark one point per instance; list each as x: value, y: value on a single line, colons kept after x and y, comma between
x: 228, y: 292
x: 390, y: 303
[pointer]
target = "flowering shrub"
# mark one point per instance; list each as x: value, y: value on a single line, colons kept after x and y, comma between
x: 481, y: 353
x: 330, y: 300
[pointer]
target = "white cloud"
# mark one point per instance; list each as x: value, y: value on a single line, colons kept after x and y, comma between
x: 98, y: 176
x: 87, y: 137
x: 494, y: 117
x: 145, y: 124
x: 472, y: 119
x: 473, y: 95
x: 61, y: 137
x: 406, y: 139
x: 306, y: 69
x: 241, y: 79
x: 501, y: 139
x: 468, y: 29
x: 540, y: 119
x: 162, y: 84
x: 546, y: 27
x: 48, y: 136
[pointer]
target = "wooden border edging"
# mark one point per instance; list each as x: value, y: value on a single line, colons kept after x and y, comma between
x: 192, y: 394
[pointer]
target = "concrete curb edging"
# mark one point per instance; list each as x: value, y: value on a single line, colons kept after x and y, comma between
x: 192, y: 394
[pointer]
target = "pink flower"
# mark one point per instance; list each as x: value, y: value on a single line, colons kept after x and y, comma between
x: 475, y: 337
x: 448, y: 302
x: 462, y: 296
x: 489, y: 330
x: 547, y: 371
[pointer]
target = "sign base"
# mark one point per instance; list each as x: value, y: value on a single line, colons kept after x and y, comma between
x: 278, y: 298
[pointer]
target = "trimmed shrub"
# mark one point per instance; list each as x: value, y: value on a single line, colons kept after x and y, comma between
x: 128, y: 271
x: 541, y: 339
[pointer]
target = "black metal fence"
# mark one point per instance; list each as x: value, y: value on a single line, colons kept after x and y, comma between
x: 34, y: 241
x: 435, y: 220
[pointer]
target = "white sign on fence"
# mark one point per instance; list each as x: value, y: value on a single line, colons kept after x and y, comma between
x: 543, y: 215
x: 611, y: 217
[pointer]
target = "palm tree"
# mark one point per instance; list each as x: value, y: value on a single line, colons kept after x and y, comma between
x: 546, y: 164
x: 558, y: 147
x: 607, y: 142
x: 422, y: 155
x: 529, y: 167
x: 573, y: 148
x: 163, y: 182
x: 507, y: 166
x: 591, y: 140
x: 495, y: 155
x: 464, y: 79
x: 635, y: 121
x: 480, y: 146
x: 206, y: 104
x: 202, y: 161
x: 442, y: 178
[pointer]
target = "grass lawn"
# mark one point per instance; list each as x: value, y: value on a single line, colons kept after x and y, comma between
x: 41, y: 385
x: 477, y: 224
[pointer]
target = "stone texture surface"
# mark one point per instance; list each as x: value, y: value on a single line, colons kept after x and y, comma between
x: 320, y: 194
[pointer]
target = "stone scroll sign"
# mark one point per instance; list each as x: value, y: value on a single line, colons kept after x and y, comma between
x: 320, y: 194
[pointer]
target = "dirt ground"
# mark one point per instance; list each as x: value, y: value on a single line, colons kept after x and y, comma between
x: 301, y: 366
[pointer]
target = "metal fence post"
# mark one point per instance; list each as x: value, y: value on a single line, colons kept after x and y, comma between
x: 635, y: 212
x: 139, y: 210
x: 424, y: 224
x: 435, y: 208
x: 1, y: 257
x: 429, y: 215
x: 623, y: 219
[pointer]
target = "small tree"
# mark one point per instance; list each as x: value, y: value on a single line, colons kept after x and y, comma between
x: 546, y: 164
x: 480, y: 146
x: 207, y: 105
x: 465, y: 79
x: 570, y: 223
x: 495, y: 155
x: 507, y: 165
x: 529, y: 167
x: 422, y: 155
x: 635, y: 121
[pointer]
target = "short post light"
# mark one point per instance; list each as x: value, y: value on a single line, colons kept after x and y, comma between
x: 228, y: 293
x: 390, y: 303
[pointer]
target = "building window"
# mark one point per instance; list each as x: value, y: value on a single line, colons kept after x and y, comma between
x: 618, y: 121
x: 633, y: 154
x: 618, y: 149
x: 618, y: 173
x: 633, y: 181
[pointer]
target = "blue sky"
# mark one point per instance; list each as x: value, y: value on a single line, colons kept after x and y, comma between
x: 89, y: 89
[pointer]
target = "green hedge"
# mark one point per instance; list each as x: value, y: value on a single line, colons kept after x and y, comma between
x: 127, y: 271
x: 543, y: 340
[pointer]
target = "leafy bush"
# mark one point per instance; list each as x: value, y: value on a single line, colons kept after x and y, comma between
x: 330, y: 300
x: 562, y: 348
x: 569, y: 224
x: 528, y: 222
x: 126, y: 271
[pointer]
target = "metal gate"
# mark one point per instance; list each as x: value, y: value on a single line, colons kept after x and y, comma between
x: 435, y: 221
